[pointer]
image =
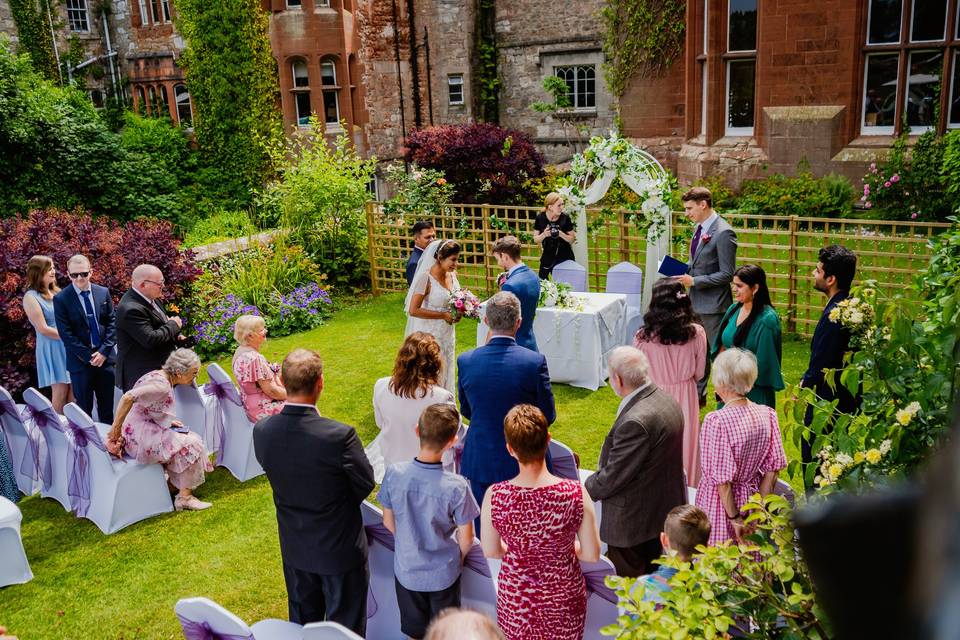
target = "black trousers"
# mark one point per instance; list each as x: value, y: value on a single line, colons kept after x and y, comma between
x: 94, y: 381
x: 635, y: 561
x: 312, y: 597
x: 711, y: 326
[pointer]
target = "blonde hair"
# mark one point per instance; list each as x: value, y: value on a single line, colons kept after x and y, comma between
x: 734, y: 369
x: 246, y: 326
x: 551, y: 198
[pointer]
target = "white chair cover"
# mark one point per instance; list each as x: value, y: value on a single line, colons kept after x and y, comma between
x: 50, y: 426
x: 601, y: 600
x: 383, y: 613
x: 564, y: 462
x: 117, y: 394
x: 327, y: 631
x: 121, y: 492
x: 572, y: 273
x: 478, y: 584
x: 19, y: 444
x: 597, y: 504
x: 14, y: 568
x: 627, y: 278
x: 203, y: 619
x: 236, y: 450
x: 782, y: 488
x: 196, y: 411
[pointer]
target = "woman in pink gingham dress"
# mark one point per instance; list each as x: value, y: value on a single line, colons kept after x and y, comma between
x: 741, y: 449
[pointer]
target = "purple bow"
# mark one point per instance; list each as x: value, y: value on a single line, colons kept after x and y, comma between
x: 381, y: 534
x: 78, y: 461
x: 42, y: 419
x: 9, y: 407
x: 221, y: 391
x: 594, y: 574
x: 200, y: 630
x: 475, y: 561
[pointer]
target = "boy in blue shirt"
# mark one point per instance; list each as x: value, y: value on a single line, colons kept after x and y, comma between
x: 686, y: 527
x: 424, y: 506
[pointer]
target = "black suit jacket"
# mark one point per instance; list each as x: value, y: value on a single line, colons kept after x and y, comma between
x: 144, y: 339
x: 827, y: 347
x: 320, y: 476
x: 74, y: 331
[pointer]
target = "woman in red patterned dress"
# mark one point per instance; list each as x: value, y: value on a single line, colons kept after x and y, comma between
x: 533, y: 522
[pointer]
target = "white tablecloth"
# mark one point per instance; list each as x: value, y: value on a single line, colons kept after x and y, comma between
x: 576, y: 343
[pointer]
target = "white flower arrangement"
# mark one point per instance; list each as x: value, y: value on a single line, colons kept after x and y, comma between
x: 559, y: 295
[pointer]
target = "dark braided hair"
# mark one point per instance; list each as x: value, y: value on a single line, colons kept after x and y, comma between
x: 670, y: 318
x: 750, y: 275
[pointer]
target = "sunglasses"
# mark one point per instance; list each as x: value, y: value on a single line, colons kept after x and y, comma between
x: 79, y: 274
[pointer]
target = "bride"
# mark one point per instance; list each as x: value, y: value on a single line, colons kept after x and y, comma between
x: 427, y: 302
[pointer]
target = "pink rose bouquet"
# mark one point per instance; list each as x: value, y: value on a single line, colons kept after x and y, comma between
x: 463, y: 304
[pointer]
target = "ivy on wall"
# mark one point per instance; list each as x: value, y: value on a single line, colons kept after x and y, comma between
x: 33, y: 32
x: 642, y: 37
x: 232, y: 78
x: 487, y: 78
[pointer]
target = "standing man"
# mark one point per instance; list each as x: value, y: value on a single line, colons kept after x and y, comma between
x: 493, y: 379
x: 836, y: 267
x: 713, y: 259
x: 640, y: 474
x: 319, y: 476
x: 87, y: 326
x: 145, y: 335
x: 522, y: 282
x: 423, y: 234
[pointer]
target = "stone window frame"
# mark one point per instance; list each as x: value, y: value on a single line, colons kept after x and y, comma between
x: 738, y: 57
x: 330, y: 90
x: 177, y: 93
x: 300, y: 93
x: 78, y: 16
x: 295, y: 5
x: 589, y: 97
x: 451, y: 85
x: 905, y: 48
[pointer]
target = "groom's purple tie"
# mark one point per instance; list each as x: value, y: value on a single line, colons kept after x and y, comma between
x: 696, y: 241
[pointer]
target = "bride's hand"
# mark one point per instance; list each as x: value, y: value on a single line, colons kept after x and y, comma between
x: 448, y: 318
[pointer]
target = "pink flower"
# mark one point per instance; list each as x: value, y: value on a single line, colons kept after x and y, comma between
x: 894, y: 178
x: 863, y: 199
x: 887, y: 184
x: 706, y: 238
x: 913, y: 216
x: 873, y: 165
x: 869, y: 205
x: 906, y: 193
x: 866, y: 189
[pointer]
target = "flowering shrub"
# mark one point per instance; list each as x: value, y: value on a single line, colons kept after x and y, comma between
x: 213, y: 329
x: 913, y: 184
x: 420, y: 194
x: 855, y: 314
x: 302, y: 309
x: 484, y: 162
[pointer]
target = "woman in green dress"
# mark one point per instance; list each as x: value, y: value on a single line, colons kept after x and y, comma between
x: 751, y: 323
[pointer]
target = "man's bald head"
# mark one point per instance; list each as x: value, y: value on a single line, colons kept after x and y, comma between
x: 148, y: 280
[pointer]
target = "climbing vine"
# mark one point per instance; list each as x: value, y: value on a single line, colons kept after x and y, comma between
x: 641, y: 37
x: 487, y: 79
x: 232, y: 78
x: 33, y: 32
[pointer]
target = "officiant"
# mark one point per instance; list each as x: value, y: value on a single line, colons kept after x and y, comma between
x: 554, y: 231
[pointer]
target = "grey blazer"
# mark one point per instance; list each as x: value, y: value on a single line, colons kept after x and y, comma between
x: 640, y: 474
x: 712, y: 268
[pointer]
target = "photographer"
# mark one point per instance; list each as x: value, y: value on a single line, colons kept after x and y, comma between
x: 554, y: 230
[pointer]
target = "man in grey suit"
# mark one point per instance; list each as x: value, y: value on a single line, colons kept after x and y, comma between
x: 713, y: 259
x: 640, y: 474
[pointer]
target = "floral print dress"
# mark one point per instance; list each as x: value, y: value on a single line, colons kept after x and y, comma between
x: 249, y: 367
x: 148, y: 437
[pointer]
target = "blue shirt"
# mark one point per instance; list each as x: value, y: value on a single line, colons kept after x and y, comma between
x: 428, y: 504
x: 656, y: 583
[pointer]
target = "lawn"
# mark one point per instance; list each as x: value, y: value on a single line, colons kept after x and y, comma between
x: 88, y: 585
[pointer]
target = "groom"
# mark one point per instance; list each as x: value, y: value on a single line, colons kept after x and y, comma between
x: 522, y: 282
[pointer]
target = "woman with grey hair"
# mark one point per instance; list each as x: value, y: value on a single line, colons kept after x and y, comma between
x: 144, y: 428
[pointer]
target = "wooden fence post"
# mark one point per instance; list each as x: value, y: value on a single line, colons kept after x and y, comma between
x: 487, y: 240
x: 792, y: 277
x: 373, y: 264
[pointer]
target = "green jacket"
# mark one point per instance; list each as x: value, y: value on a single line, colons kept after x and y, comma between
x: 763, y: 340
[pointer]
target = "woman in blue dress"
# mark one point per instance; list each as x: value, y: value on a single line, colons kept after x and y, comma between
x: 51, y: 356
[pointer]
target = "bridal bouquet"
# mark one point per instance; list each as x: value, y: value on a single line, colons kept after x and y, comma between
x: 463, y: 304
x: 558, y: 294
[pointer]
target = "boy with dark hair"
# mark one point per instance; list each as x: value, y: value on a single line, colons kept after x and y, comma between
x: 424, y: 506
x: 685, y: 528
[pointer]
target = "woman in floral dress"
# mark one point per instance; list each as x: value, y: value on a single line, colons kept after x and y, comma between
x: 261, y: 390
x: 534, y: 522
x: 145, y: 428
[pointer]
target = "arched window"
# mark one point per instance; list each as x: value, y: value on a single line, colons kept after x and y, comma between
x: 331, y: 90
x: 141, y: 101
x: 184, y: 108
x: 301, y: 91
x: 153, y: 107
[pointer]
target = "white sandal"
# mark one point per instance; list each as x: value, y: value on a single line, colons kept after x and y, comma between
x: 190, y: 503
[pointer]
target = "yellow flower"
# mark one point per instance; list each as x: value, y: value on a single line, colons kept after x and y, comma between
x: 904, y: 417
x: 835, y: 314
x: 835, y: 470
x: 858, y: 457
x: 873, y: 456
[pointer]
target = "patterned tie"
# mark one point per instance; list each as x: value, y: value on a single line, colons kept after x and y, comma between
x: 696, y: 241
x: 91, y: 320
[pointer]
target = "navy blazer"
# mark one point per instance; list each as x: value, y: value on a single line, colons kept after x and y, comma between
x: 412, y: 263
x: 74, y: 331
x: 525, y: 284
x: 827, y: 347
x: 493, y: 379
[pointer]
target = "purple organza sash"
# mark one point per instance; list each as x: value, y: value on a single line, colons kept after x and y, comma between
x: 200, y: 630
x: 42, y: 419
x: 565, y: 466
x: 9, y: 407
x: 78, y: 461
x: 381, y: 534
x: 594, y: 574
x: 221, y: 391
x: 475, y: 561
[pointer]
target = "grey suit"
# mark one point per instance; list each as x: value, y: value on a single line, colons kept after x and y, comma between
x: 712, y: 268
x: 639, y: 477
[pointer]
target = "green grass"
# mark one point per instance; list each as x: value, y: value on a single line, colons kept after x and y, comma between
x: 88, y: 585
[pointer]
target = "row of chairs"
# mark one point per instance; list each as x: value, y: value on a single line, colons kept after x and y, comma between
x: 202, y: 619
x: 623, y: 277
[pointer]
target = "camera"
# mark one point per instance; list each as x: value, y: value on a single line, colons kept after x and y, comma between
x: 554, y: 231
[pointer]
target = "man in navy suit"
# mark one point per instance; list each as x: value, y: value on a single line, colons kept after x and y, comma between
x: 88, y: 329
x: 522, y: 282
x: 493, y: 379
x: 833, y: 277
x: 423, y: 234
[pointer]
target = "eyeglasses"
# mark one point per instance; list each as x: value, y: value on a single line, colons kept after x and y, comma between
x: 79, y: 274
x: 159, y: 284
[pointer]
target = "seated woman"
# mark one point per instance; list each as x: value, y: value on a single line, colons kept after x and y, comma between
x: 399, y: 399
x: 540, y: 525
x: 144, y: 427
x: 741, y: 449
x: 261, y: 390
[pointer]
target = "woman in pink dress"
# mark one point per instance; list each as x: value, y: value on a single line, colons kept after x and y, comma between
x: 261, y: 390
x: 145, y: 428
x: 741, y: 449
x: 676, y: 347
x: 533, y: 522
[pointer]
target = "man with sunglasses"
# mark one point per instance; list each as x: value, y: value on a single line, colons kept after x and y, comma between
x: 87, y: 325
x: 145, y: 335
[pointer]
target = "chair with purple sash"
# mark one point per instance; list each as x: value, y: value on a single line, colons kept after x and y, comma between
x: 627, y: 278
x: 597, y: 504
x: 197, y: 411
x: 572, y: 273
x: 383, y: 612
x: 328, y: 631
x: 601, y: 599
x: 478, y: 587
x: 563, y: 460
x: 52, y: 430
x: 111, y: 493
x: 14, y: 568
x: 204, y: 619
x: 233, y: 432
x: 24, y: 450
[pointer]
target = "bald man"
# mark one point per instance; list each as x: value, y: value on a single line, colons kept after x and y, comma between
x: 145, y: 335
